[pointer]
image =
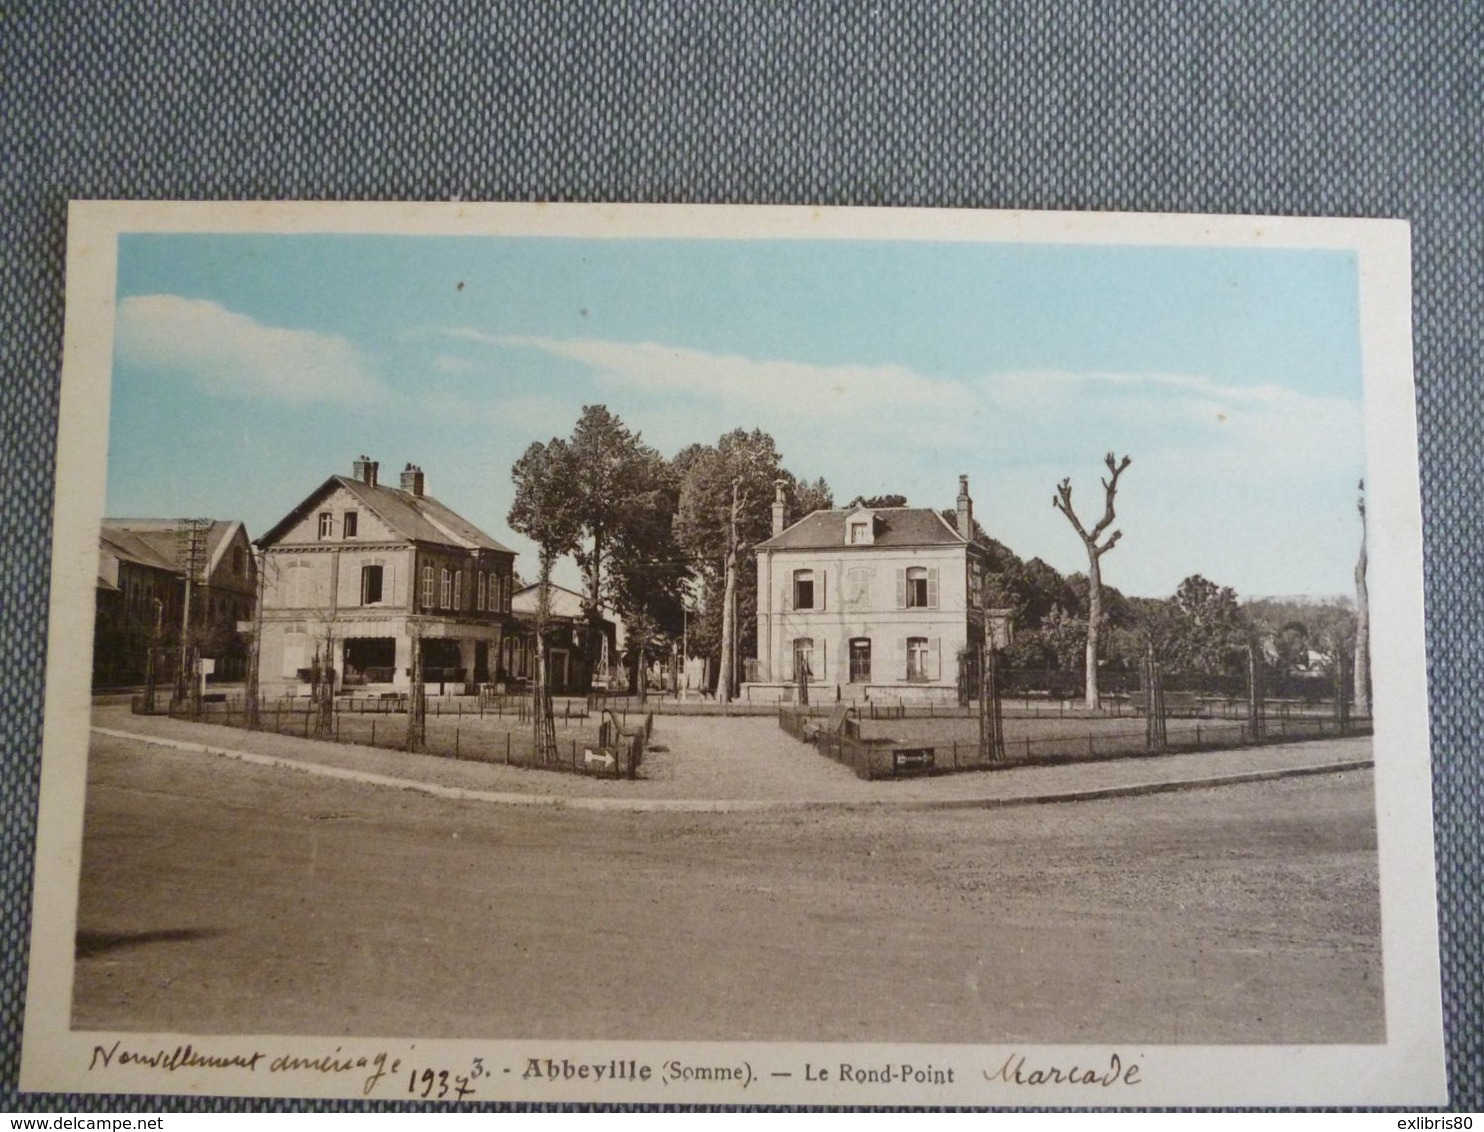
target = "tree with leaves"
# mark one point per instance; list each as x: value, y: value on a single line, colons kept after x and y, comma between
x: 647, y: 572
x: 1211, y: 632
x: 1062, y: 501
x: 724, y: 510
x: 614, y: 476
x: 546, y: 512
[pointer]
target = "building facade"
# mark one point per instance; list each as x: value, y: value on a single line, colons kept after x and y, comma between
x: 870, y: 602
x: 569, y: 648
x: 142, y: 567
x: 360, y: 577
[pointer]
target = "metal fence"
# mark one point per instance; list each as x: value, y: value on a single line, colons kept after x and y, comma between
x: 926, y: 753
x: 469, y: 731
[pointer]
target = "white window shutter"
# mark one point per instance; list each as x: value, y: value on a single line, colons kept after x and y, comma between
x: 932, y: 580
x: 788, y: 661
x: 821, y: 660
x: 935, y: 660
x: 819, y: 592
x: 785, y: 597
x: 902, y: 657
x: 902, y: 592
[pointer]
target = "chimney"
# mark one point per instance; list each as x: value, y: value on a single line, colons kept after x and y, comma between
x: 364, y: 469
x: 412, y: 480
x: 965, y: 510
x: 779, y: 506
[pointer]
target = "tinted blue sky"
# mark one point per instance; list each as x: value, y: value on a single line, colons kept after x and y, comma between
x: 249, y: 368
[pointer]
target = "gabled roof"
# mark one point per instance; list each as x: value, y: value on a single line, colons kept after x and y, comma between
x: 149, y: 546
x: 162, y: 538
x: 897, y: 526
x: 417, y: 518
x: 562, y: 602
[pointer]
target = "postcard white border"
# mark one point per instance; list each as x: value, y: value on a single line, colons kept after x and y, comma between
x: 1407, y: 1070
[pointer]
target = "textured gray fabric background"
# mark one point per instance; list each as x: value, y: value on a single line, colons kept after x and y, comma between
x: 1308, y: 109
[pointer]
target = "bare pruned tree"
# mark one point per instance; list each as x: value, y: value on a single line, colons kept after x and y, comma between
x: 1062, y: 501
x: 1362, y: 620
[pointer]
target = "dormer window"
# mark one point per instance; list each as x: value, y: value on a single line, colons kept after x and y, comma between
x: 860, y: 528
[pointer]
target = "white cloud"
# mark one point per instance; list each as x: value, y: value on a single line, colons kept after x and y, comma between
x: 232, y: 354
x: 1189, y: 417
x: 454, y: 366
x: 735, y: 381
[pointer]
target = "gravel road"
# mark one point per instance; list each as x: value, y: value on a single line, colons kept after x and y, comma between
x: 218, y: 897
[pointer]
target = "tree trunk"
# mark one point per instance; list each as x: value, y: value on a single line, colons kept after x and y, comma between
x: 1362, y: 631
x: 1094, y: 628
x: 540, y: 724
x: 594, y: 611
x: 417, y: 704
x: 728, y: 632
x: 726, y: 681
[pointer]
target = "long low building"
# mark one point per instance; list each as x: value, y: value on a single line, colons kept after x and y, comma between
x: 141, y: 593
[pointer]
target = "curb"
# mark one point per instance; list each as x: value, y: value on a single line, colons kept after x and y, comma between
x: 724, y: 806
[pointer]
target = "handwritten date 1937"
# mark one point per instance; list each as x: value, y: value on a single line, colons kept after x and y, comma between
x: 438, y: 1085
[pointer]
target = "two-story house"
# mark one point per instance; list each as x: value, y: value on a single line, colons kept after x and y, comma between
x: 362, y: 574
x: 874, y: 602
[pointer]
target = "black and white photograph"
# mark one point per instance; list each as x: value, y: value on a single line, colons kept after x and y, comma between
x: 736, y: 655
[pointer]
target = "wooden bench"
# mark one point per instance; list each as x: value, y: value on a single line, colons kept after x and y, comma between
x: 833, y: 724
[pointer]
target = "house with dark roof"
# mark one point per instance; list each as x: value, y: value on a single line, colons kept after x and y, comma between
x: 359, y: 574
x: 872, y: 602
x: 142, y: 567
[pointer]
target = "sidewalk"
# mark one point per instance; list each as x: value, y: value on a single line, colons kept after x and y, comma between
x: 735, y: 765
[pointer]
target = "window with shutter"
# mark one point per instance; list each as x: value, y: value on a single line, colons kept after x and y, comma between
x: 918, y: 658
x: 919, y: 588
x: 371, y: 585
x: 901, y: 588
x: 803, y: 659
x: 932, y: 588
x: 803, y: 589
x: 819, y: 590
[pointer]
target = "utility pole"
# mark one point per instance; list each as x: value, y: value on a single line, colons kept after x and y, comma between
x: 190, y: 548
x: 728, y: 675
x: 255, y: 661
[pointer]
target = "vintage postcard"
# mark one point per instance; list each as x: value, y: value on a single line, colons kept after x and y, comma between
x: 735, y: 656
